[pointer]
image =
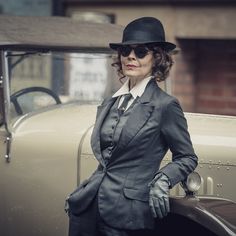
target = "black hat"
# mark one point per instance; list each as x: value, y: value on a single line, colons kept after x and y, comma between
x: 142, y: 31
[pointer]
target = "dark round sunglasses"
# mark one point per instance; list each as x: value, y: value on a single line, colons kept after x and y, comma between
x: 140, y: 51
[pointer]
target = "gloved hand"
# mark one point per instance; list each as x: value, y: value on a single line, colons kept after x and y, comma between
x: 159, y: 196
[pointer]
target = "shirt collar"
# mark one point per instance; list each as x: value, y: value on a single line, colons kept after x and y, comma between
x: 136, y: 91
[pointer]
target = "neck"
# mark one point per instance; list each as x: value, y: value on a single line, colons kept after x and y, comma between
x: 134, y: 81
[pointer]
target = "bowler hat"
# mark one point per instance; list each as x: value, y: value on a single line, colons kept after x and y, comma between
x: 142, y: 31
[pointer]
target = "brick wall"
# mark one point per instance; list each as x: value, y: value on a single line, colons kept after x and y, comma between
x: 205, y: 78
x: 216, y: 79
x: 183, y: 84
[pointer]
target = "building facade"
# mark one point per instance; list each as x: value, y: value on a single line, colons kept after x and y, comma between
x: 204, y: 74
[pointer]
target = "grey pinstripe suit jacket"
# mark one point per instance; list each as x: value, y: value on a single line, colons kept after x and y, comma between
x: 156, y: 124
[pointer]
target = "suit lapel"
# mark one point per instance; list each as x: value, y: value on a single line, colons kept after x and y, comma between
x: 95, y: 139
x: 138, y: 117
x: 135, y: 122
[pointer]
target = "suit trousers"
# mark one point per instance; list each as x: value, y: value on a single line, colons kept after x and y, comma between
x: 90, y: 223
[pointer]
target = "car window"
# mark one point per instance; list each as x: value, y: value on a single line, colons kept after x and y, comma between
x: 39, y: 80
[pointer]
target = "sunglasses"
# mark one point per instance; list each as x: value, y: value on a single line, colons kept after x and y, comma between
x: 140, y: 51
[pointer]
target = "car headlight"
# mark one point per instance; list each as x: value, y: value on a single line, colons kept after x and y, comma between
x: 192, y: 183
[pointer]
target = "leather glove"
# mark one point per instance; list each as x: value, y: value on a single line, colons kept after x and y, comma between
x: 159, y: 196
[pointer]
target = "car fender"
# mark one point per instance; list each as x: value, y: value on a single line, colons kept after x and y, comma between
x: 215, y: 214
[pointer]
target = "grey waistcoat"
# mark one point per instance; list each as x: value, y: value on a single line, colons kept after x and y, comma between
x: 112, y: 127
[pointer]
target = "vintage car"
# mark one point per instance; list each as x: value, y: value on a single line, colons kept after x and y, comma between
x: 54, y: 71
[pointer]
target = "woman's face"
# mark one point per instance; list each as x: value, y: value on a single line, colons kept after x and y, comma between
x: 134, y: 67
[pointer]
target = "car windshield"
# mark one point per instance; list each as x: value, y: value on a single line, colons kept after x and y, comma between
x: 39, y: 80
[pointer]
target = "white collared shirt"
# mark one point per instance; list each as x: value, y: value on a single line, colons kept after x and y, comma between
x: 136, y: 91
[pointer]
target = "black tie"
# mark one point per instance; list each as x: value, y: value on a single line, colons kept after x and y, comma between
x: 124, y: 104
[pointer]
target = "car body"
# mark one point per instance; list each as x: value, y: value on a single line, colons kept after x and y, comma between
x: 45, y: 133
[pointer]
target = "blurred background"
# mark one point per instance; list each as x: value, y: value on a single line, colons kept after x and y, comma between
x: 204, y: 74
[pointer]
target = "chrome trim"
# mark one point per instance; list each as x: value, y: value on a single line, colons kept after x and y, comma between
x: 6, y: 87
x: 6, y: 90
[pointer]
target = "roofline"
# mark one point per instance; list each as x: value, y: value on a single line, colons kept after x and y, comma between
x: 148, y: 2
x: 49, y: 48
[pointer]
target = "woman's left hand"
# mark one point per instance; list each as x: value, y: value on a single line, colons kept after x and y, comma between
x: 159, y: 196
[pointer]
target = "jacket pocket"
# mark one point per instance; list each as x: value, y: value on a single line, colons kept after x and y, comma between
x: 136, y: 194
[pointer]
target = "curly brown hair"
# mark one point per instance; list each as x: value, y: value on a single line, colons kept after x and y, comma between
x: 162, y: 65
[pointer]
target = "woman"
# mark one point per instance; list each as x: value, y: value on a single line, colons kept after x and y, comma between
x: 133, y: 131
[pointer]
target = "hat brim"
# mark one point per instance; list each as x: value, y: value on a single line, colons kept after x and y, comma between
x: 164, y: 45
